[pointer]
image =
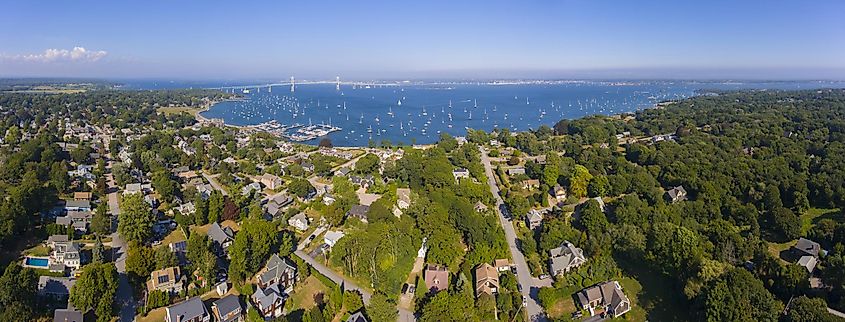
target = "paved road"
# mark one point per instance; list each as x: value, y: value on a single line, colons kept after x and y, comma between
x: 120, y: 250
x: 530, y: 285
x: 835, y: 312
x: 211, y: 180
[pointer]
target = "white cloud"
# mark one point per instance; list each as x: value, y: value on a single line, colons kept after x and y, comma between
x: 77, y: 54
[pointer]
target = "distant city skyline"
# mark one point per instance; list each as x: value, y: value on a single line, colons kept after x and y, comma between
x: 424, y: 40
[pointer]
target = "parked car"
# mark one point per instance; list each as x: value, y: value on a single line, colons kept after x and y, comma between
x: 524, y: 301
x: 544, y: 276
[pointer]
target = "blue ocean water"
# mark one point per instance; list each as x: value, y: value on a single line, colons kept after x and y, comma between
x: 417, y: 113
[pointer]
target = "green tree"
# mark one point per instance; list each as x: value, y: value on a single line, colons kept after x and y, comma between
x: 448, y: 307
x: 578, y: 181
x: 95, y: 290
x: 215, y: 207
x: 101, y: 223
x: 786, y: 223
x: 738, y: 296
x: 598, y: 187
x: 252, y: 247
x: 59, y: 178
x: 381, y: 308
x: 98, y: 252
x: 301, y: 188
x: 136, y: 219
x: 140, y: 262
x: 352, y: 301
x: 805, y: 309
x: 368, y: 164
x: 17, y: 292
x: 164, y: 185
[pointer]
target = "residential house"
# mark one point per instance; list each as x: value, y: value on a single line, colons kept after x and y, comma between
x: 204, y: 190
x: 607, y: 296
x: 358, y: 211
x: 436, y: 278
x: 342, y: 172
x: 676, y: 194
x: 269, y: 301
x: 168, y: 280
x: 534, y: 218
x: 78, y: 219
x: 480, y: 207
x: 328, y: 199
x: 132, y: 188
x: 82, y: 196
x: 67, y: 315
x: 565, y: 258
x: 270, y: 181
x: 460, y: 173
x: 192, y: 310
x: 65, y: 253
x: 77, y: 205
x: 228, y: 309
x: 530, y: 184
x: 221, y: 237
x: 502, y: 265
x: 486, y: 280
x: 299, y: 221
x: 363, y: 181
x: 806, y: 252
x: 357, y: 317
x: 404, y: 198
x: 307, y: 166
x: 57, y: 288
x: 331, y: 237
x: 274, y: 206
x: 559, y: 192
x: 247, y: 189
x: 180, y: 246
x: 277, y: 271
x: 186, y: 208
x: 516, y: 170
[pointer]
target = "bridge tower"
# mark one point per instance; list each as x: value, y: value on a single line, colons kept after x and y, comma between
x: 337, y: 83
x: 270, y: 89
x: 292, y: 86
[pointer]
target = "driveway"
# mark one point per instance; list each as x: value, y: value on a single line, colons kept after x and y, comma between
x: 213, y: 182
x: 530, y: 285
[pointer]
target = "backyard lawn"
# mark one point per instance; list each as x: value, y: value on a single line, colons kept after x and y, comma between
x: 305, y: 293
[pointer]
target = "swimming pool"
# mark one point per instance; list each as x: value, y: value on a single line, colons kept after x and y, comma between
x: 37, y: 262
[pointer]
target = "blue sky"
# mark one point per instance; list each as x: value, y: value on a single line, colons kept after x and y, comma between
x: 424, y: 39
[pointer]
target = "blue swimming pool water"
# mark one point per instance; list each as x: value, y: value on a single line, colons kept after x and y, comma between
x: 39, y: 262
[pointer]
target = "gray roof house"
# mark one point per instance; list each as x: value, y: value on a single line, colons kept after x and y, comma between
x: 278, y: 271
x: 228, y: 309
x: 269, y: 301
x: 358, y: 211
x: 192, y: 310
x: 357, y: 317
x: 676, y: 194
x: 607, y: 295
x: 807, y: 253
x: 67, y: 315
x: 222, y: 237
x: 534, y: 218
x: 565, y: 258
x: 806, y: 247
x: 78, y: 205
x: 56, y: 287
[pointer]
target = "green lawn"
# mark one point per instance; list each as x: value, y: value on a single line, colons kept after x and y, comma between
x: 813, y: 215
x: 305, y: 293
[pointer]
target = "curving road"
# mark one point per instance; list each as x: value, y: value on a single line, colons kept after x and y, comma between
x: 530, y: 285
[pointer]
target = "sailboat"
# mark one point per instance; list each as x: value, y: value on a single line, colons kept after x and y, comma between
x: 424, y: 113
x: 475, y: 103
x: 390, y: 111
x: 450, y: 103
x: 399, y: 103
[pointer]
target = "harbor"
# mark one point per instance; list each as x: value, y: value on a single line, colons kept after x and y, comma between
x: 417, y: 113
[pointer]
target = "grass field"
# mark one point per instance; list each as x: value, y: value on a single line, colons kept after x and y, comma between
x: 305, y: 295
x: 174, y: 236
x: 813, y: 215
